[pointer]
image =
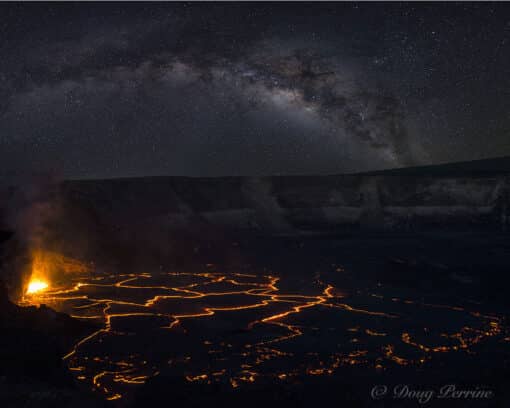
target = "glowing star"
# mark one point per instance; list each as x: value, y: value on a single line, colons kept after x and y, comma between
x: 35, y: 286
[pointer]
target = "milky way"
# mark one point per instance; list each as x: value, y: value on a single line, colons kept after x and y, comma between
x: 243, y: 89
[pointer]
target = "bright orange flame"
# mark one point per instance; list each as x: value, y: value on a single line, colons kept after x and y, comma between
x: 36, y: 285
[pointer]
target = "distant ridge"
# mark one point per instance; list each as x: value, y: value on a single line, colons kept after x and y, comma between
x: 473, y: 168
x: 483, y: 167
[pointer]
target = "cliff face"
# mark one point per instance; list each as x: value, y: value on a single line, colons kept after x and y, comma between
x: 161, y: 217
x: 297, y: 204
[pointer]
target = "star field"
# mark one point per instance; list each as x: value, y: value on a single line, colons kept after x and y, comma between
x: 114, y: 90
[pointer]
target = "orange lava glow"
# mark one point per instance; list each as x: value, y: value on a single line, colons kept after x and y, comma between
x: 40, y: 271
x: 51, y: 267
x: 36, y: 285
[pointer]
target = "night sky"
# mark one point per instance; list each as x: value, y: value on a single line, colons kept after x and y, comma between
x: 114, y: 90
